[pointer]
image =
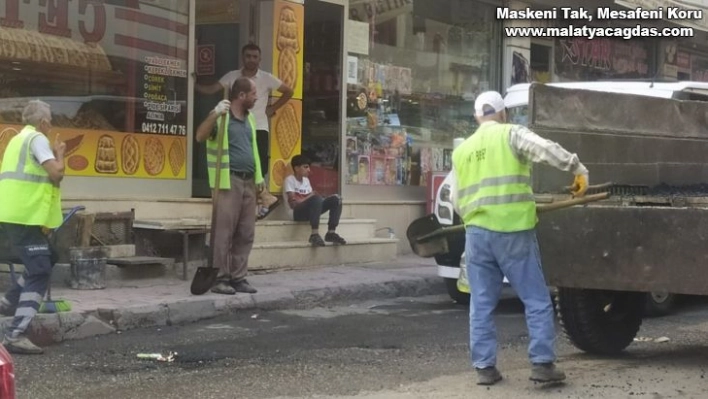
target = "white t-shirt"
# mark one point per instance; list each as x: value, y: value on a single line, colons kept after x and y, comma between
x: 41, y: 149
x: 265, y: 84
x: 293, y: 185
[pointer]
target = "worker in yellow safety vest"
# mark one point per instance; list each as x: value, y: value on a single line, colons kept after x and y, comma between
x: 240, y: 181
x: 491, y: 191
x: 30, y: 203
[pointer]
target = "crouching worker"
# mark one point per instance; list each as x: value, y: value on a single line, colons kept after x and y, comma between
x: 306, y: 205
x: 30, y: 203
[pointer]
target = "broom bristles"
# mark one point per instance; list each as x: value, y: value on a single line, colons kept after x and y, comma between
x: 55, y: 306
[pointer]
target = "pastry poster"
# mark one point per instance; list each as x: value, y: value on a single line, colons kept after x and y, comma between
x: 288, y: 39
x: 97, y: 153
x: 114, y: 74
x: 285, y: 142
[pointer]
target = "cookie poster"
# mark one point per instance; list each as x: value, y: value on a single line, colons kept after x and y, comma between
x: 288, y: 39
x: 285, y: 142
x: 96, y: 153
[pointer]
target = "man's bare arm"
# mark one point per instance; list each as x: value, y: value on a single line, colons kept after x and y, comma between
x: 55, y: 169
x: 209, y: 89
x: 287, y: 94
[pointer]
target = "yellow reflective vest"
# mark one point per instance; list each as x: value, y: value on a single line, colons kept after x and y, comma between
x: 493, y: 186
x: 27, y: 196
x: 212, y: 152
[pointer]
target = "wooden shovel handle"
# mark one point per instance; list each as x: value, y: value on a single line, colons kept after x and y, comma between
x: 217, y: 180
x: 571, y: 202
x: 542, y: 208
x: 603, y: 186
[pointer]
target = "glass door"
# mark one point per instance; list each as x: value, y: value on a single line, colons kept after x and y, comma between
x: 217, y: 36
x: 322, y: 93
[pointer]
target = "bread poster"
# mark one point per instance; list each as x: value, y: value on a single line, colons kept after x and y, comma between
x: 96, y: 153
x: 288, y: 39
x: 285, y: 142
x: 286, y: 124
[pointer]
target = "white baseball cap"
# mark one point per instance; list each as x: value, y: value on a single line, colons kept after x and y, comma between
x: 490, y: 98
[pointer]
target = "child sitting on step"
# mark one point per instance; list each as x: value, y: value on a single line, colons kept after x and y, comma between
x: 304, y: 204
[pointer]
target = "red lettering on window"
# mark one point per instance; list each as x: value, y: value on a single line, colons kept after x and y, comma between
x: 56, y: 20
x: 12, y: 15
x: 99, y: 21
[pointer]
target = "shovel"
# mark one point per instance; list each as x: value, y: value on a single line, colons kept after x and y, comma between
x: 428, y: 238
x: 205, y: 277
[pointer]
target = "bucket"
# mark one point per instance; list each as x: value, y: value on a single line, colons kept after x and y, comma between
x: 88, y: 268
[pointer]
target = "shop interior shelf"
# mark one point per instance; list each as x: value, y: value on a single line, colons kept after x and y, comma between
x: 58, y: 73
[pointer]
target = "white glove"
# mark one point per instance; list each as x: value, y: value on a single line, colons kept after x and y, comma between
x: 222, y: 107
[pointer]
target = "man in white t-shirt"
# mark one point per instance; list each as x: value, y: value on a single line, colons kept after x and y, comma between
x: 262, y: 110
x: 305, y: 204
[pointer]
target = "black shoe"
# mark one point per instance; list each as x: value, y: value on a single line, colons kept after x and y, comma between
x: 243, y: 286
x: 546, y: 372
x: 316, y: 240
x: 488, y: 376
x: 335, y: 238
x: 223, y: 288
x: 6, y: 309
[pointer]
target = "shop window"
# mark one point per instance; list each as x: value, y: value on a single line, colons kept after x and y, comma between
x: 115, y: 74
x: 413, y: 92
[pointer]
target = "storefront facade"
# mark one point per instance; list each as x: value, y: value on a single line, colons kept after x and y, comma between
x: 382, y: 87
x: 117, y: 78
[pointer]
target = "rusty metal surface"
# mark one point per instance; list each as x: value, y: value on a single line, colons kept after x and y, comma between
x: 653, y: 234
x: 626, y: 139
x: 627, y: 248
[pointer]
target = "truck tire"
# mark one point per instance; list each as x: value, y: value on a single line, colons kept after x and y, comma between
x: 600, y: 322
x: 659, y: 304
x: 457, y: 296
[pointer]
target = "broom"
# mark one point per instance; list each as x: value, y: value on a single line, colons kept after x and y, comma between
x: 54, y: 306
x: 59, y: 305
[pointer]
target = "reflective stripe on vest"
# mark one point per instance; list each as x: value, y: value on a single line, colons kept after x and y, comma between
x: 494, y: 186
x: 212, y: 153
x: 19, y: 172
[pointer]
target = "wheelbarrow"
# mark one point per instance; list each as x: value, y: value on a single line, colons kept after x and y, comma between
x: 428, y: 237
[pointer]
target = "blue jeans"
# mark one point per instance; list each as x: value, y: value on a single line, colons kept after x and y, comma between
x: 490, y: 257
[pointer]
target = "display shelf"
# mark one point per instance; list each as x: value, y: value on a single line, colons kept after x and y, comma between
x: 59, y: 73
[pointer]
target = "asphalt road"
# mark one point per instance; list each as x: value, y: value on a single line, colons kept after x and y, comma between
x: 403, y: 348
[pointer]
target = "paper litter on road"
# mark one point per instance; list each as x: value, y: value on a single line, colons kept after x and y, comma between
x: 656, y: 340
x: 158, y: 356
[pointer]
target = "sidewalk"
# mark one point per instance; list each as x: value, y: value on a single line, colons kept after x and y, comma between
x: 169, y: 302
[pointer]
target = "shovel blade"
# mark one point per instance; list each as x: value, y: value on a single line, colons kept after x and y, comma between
x: 430, y: 247
x: 203, y: 280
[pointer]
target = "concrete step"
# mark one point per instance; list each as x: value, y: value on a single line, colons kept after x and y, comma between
x: 299, y: 254
x: 271, y: 230
x: 285, y: 230
x: 140, y: 261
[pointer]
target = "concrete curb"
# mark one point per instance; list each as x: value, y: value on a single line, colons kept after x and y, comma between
x: 47, y: 329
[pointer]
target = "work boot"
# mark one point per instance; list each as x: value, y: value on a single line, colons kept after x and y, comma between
x: 316, y: 240
x: 6, y: 309
x: 546, y: 372
x: 488, y: 376
x: 243, y: 286
x: 335, y: 238
x: 21, y: 346
x: 223, y: 288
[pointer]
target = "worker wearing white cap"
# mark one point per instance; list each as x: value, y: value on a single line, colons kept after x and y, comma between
x: 492, y: 194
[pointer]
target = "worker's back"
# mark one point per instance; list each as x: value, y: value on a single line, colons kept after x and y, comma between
x: 493, y: 186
